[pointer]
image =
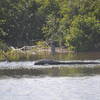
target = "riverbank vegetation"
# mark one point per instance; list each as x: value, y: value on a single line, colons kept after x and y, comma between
x: 74, y: 24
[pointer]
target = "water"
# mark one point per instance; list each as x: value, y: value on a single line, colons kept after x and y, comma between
x: 49, y: 88
x: 70, y: 56
x: 80, y: 82
x: 26, y: 81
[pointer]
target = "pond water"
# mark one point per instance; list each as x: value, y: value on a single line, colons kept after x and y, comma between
x: 49, y: 88
x: 70, y: 56
x: 26, y: 81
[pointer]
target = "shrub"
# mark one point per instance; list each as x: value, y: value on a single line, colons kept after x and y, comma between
x: 84, y: 34
x: 42, y: 44
x: 3, y: 46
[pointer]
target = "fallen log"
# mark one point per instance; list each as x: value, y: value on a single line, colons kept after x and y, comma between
x: 56, y: 62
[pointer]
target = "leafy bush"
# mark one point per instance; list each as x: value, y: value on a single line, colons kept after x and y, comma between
x: 15, y: 55
x: 3, y: 46
x: 84, y: 34
x: 42, y: 44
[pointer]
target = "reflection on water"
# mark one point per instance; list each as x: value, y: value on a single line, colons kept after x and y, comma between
x: 70, y: 56
x: 64, y: 56
x: 52, y: 72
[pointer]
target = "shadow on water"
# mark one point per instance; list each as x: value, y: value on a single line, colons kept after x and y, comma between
x: 51, y: 72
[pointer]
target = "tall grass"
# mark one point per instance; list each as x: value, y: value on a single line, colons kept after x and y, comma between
x: 1, y: 56
x: 15, y: 55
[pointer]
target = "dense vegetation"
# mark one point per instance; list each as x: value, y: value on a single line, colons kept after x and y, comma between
x: 74, y: 23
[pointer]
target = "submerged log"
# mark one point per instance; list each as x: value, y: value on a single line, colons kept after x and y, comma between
x: 56, y: 62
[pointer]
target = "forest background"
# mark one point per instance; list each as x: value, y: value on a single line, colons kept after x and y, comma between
x: 71, y: 23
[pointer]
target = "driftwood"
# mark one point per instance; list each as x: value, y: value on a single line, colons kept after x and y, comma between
x: 27, y: 48
x: 56, y: 62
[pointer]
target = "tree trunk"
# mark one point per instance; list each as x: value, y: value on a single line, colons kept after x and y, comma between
x: 53, y: 48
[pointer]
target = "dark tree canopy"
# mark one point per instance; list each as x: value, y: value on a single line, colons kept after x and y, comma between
x: 76, y: 23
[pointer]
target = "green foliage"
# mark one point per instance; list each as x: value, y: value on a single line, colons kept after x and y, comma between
x: 16, y: 55
x: 3, y: 46
x: 50, y: 29
x: 83, y: 34
x: 1, y: 55
x: 23, y: 21
x: 42, y: 44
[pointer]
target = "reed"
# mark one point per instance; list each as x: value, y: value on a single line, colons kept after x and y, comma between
x: 15, y: 55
